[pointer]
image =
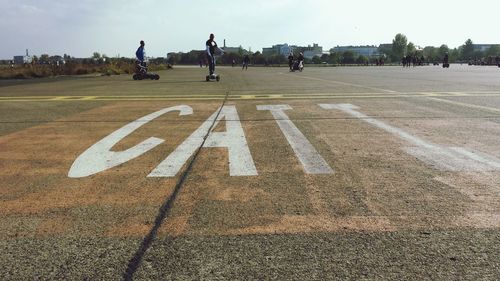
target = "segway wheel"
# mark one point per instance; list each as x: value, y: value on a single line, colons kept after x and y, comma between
x: 135, y: 77
x: 217, y: 78
x: 157, y: 77
x: 207, y: 78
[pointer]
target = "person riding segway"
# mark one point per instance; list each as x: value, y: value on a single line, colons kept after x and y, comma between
x: 211, y: 47
x: 299, y: 63
x: 141, y: 67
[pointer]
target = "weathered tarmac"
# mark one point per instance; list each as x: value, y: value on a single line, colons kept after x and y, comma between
x: 351, y: 173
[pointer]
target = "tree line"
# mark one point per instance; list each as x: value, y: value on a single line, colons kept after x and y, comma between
x: 466, y: 53
x: 388, y: 53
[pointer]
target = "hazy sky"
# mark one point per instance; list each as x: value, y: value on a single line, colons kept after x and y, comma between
x: 114, y: 27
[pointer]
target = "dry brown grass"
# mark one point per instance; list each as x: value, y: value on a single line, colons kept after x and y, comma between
x: 41, y: 70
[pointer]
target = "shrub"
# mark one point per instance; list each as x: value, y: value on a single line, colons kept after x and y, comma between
x: 81, y: 71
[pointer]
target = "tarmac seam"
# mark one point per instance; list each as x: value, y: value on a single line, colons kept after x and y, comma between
x: 253, y: 96
x: 165, y: 209
x: 264, y: 119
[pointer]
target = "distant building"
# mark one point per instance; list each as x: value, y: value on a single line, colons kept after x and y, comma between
x: 312, y: 51
x: 482, y: 47
x: 23, y: 59
x: 385, y: 46
x: 279, y: 49
x: 235, y: 50
x: 366, y: 51
x: 285, y: 50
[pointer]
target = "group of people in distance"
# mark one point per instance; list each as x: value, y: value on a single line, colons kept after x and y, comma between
x: 408, y: 60
x: 414, y: 60
x: 296, y: 64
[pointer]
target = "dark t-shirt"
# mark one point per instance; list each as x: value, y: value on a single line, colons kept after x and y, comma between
x: 212, y: 45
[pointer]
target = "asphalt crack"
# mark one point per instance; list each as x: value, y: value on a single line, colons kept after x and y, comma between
x: 165, y: 209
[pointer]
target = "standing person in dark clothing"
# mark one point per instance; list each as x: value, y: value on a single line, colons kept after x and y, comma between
x: 446, y: 63
x: 246, y: 61
x: 211, y: 47
x: 408, y: 60
x: 290, y: 61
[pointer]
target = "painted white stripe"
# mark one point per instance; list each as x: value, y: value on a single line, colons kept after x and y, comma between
x: 240, y: 159
x: 99, y: 156
x: 346, y: 84
x: 445, y: 158
x: 480, y: 157
x: 310, y: 159
x: 480, y: 107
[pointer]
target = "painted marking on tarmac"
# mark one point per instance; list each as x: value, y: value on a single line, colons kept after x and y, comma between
x: 445, y: 158
x: 487, y: 108
x: 99, y: 156
x: 346, y: 84
x: 89, y: 98
x: 310, y: 159
x: 240, y: 159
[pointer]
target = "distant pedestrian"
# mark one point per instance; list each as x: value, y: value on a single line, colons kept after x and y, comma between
x: 246, y: 61
x: 290, y: 61
x: 300, y: 61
